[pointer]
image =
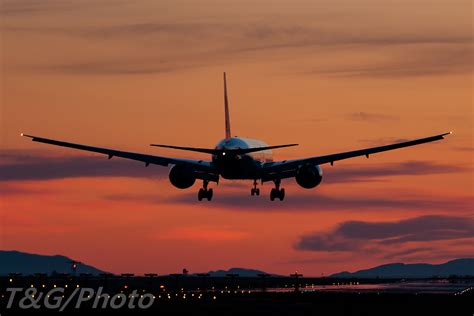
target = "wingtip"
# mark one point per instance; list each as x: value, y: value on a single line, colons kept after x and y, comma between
x: 446, y: 134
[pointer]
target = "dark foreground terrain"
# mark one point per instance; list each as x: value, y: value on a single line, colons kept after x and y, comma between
x: 231, y: 295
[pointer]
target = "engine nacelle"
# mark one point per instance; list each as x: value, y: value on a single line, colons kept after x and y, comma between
x: 309, y: 176
x: 182, y: 177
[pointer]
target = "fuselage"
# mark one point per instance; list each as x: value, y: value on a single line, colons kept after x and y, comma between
x: 244, y: 166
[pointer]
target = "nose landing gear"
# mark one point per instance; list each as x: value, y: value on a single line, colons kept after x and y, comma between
x: 204, y: 192
x: 276, y: 192
x: 255, y: 190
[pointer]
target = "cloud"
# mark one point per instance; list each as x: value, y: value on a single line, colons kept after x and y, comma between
x: 346, y: 173
x: 383, y: 140
x: 427, y: 60
x: 356, y: 236
x: 15, y: 7
x: 370, y: 117
x: 46, y: 7
x: 212, y: 41
x: 8, y: 190
x: 139, y: 66
x: 20, y: 165
x: 464, y: 148
x: 408, y: 252
x: 296, y: 201
x: 31, y: 165
x: 409, y: 62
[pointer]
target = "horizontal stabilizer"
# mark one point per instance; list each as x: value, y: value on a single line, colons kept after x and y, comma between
x: 199, y: 150
x: 235, y: 151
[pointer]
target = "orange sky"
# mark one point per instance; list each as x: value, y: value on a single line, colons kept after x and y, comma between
x: 330, y: 75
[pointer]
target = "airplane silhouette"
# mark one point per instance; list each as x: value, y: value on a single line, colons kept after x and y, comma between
x: 239, y: 158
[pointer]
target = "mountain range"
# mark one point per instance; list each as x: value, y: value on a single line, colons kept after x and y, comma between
x: 27, y: 263
x: 242, y: 272
x: 459, y: 267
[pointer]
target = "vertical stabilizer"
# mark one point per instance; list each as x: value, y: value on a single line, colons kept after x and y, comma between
x: 226, y: 109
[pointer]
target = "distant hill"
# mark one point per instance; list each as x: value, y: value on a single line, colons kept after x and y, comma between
x: 460, y: 267
x: 26, y: 263
x: 240, y: 271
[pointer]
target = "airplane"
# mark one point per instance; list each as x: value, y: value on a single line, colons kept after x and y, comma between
x: 239, y: 158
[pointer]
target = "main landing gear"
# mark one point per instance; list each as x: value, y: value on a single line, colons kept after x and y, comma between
x: 276, y: 192
x: 255, y: 190
x: 204, y: 192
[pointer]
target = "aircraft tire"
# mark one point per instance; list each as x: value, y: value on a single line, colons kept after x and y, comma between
x: 281, y: 194
x: 272, y: 194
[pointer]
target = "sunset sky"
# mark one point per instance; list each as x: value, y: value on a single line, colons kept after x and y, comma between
x: 330, y: 75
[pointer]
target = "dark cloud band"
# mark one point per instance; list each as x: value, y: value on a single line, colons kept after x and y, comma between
x: 357, y: 235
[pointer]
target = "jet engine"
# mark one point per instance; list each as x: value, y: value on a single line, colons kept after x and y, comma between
x: 309, y: 176
x: 182, y: 177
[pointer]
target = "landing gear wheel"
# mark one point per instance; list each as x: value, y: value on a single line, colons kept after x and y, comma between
x: 281, y: 194
x: 277, y: 194
x: 204, y: 192
x: 201, y: 194
x: 255, y: 190
x: 273, y: 194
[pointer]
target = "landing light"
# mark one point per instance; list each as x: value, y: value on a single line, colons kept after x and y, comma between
x: 223, y: 153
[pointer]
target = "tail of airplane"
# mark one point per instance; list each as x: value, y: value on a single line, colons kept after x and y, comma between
x: 213, y: 151
x: 226, y: 110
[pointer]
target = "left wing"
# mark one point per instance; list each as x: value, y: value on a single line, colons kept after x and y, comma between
x: 198, y: 165
x: 272, y: 169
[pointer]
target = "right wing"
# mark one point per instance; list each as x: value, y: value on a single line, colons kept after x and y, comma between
x: 288, y: 168
x: 198, y: 165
